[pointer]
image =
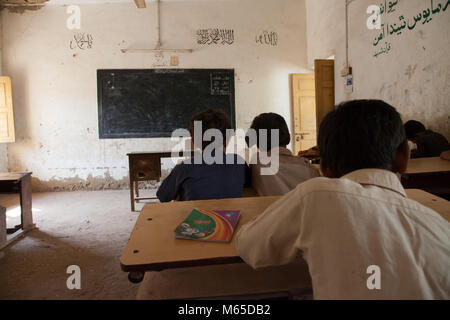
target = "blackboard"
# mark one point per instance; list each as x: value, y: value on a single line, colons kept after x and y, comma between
x: 149, y: 103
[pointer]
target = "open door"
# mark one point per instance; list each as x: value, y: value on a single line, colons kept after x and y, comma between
x: 324, y: 77
x: 304, y: 111
x: 6, y: 111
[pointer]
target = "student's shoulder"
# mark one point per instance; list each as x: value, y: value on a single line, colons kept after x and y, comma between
x: 233, y: 158
x: 322, y: 185
x: 184, y: 166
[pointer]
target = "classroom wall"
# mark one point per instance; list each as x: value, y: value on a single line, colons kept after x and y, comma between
x: 3, y: 146
x: 55, y: 89
x: 414, y: 75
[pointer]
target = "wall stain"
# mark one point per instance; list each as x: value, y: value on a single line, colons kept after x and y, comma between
x: 410, y: 71
x: 21, y: 8
x: 91, y: 183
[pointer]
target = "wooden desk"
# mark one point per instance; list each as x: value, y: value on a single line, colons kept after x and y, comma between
x: 429, y: 174
x: 146, y: 166
x: 18, y: 183
x: 143, y: 166
x: 157, y: 222
x: 152, y: 246
x: 428, y: 165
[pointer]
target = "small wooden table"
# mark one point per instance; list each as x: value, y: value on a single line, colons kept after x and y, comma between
x: 146, y: 166
x: 153, y: 247
x: 429, y: 174
x: 18, y: 183
x: 143, y: 166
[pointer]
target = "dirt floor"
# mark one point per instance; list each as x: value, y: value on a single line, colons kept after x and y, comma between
x: 87, y: 229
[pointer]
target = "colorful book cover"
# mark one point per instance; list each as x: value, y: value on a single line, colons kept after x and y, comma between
x: 208, y: 225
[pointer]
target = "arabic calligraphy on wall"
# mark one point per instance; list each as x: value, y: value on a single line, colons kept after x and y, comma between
x: 388, y: 7
x: 215, y: 36
x: 405, y: 24
x: 81, y: 41
x: 269, y: 38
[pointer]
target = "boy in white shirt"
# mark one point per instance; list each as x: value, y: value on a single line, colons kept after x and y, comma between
x: 359, y: 233
x: 292, y: 170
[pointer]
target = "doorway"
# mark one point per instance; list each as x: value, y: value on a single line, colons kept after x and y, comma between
x: 312, y: 99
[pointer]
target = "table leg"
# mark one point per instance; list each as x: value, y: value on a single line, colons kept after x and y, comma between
x: 132, y: 194
x: 2, y: 226
x: 26, y: 203
x: 137, y: 189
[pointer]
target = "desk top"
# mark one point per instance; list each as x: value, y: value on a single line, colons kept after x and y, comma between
x: 13, y: 176
x: 152, y: 245
x: 427, y: 165
x: 422, y: 165
x: 147, y: 236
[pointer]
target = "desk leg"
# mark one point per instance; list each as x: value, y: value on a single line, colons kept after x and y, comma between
x: 2, y: 227
x: 26, y: 203
x: 132, y: 194
x: 137, y: 189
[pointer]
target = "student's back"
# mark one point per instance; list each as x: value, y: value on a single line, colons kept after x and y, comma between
x: 360, y: 235
x: 205, y: 181
x: 343, y: 226
x: 430, y: 144
x: 210, y: 174
x: 290, y: 170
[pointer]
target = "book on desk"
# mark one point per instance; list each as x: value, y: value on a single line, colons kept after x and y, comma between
x: 208, y: 225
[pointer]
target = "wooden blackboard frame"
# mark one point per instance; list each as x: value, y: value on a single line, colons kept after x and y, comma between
x: 101, y: 73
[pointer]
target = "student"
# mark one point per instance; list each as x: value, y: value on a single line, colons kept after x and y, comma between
x: 429, y: 143
x: 359, y: 233
x: 292, y: 169
x: 190, y: 181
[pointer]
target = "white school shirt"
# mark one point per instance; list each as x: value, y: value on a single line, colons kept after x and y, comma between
x: 292, y: 171
x: 342, y: 227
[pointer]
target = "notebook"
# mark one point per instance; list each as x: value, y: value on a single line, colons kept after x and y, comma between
x: 208, y: 225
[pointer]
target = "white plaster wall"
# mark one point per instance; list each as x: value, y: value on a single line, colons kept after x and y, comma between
x: 3, y: 146
x: 325, y: 28
x: 56, y: 91
x: 414, y: 76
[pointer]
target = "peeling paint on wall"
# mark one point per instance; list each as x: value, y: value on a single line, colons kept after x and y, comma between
x: 21, y: 9
x: 91, y: 183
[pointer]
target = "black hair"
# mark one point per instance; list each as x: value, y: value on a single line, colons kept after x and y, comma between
x: 412, y: 128
x: 360, y: 134
x: 211, y: 119
x: 270, y: 121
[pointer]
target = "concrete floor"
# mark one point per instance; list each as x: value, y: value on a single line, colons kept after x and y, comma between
x: 89, y: 229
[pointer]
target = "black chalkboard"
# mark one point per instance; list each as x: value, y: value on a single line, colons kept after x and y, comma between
x: 151, y: 103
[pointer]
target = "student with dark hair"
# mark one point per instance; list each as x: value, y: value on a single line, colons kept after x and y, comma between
x: 429, y: 143
x: 201, y: 181
x: 292, y: 170
x: 359, y: 233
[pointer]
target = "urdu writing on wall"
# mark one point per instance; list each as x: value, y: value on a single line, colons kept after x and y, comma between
x: 390, y: 30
